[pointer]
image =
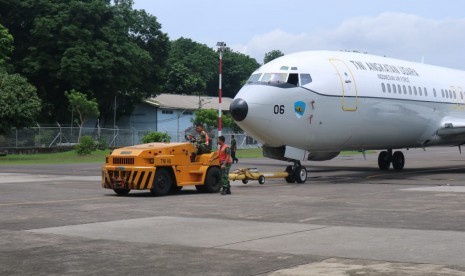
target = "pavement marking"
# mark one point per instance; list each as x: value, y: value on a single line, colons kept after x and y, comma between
x: 386, y: 244
x: 53, y: 201
x: 445, y: 188
x: 343, y: 267
x: 26, y: 177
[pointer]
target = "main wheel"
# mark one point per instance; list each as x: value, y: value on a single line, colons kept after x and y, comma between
x: 300, y: 174
x: 384, y: 160
x: 261, y: 179
x: 162, y: 182
x: 213, y: 180
x: 398, y: 160
x: 290, y: 177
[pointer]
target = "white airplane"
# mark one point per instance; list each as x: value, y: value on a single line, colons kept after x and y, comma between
x: 312, y: 105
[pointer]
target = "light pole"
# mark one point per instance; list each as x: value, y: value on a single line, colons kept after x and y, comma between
x: 221, y: 47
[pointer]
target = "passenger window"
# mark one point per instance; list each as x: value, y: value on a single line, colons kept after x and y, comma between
x: 394, y: 88
x: 409, y: 90
x: 383, y: 87
x: 415, y: 90
x: 419, y: 91
x: 389, y: 88
x: 305, y: 79
x: 405, y: 89
x: 426, y: 91
x: 442, y: 93
x: 434, y: 92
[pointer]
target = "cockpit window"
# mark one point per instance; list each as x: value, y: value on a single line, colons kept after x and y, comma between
x: 254, y: 78
x: 281, y: 79
x: 274, y: 77
x: 305, y: 79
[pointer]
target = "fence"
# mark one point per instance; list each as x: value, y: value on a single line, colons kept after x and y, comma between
x: 47, y: 137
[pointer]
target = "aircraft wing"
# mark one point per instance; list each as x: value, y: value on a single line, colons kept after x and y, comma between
x: 451, y: 127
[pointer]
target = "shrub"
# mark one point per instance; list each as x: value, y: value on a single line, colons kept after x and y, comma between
x: 153, y: 136
x: 86, y: 146
x: 101, y: 143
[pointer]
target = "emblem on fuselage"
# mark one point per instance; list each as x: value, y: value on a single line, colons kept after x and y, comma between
x: 299, y: 108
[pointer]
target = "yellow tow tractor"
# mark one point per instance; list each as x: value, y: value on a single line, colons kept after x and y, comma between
x: 161, y: 168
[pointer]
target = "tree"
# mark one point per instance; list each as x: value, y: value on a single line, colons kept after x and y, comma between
x: 272, y: 55
x: 191, y: 66
x: 101, y: 47
x: 209, y: 118
x: 237, y: 68
x: 19, y: 103
x: 153, y: 136
x: 84, y: 107
x: 6, y: 45
x: 181, y: 80
x: 193, y: 69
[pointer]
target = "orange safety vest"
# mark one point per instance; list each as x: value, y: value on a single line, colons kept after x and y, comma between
x: 223, y: 156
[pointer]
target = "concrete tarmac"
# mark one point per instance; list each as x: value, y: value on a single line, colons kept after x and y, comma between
x: 349, y: 218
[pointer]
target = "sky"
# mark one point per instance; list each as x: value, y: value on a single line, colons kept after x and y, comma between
x: 429, y: 31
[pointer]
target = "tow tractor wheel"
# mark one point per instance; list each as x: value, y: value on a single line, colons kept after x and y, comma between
x: 212, y: 182
x: 261, y: 179
x: 162, y: 182
x: 290, y: 177
x: 122, y: 192
x: 245, y: 181
x: 398, y: 160
x: 384, y: 160
x: 300, y: 174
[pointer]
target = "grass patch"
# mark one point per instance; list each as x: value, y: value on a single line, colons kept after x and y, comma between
x: 249, y: 153
x: 68, y: 157
x: 71, y: 157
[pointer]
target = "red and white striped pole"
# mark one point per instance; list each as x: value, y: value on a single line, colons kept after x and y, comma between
x: 221, y: 46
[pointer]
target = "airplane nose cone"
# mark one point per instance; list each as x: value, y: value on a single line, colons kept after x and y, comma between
x: 239, y: 109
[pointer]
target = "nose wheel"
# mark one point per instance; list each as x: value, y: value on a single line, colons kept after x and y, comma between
x: 385, y: 158
x: 296, y: 173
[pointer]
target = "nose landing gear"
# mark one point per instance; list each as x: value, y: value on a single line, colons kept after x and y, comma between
x: 296, y: 173
x: 385, y: 158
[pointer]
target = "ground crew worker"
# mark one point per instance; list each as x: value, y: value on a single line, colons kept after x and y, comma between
x: 224, y: 154
x: 203, y: 143
x: 233, y: 149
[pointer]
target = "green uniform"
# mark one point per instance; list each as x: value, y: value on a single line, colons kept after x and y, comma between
x: 202, y: 143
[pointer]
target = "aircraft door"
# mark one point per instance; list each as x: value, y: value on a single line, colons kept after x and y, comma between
x: 348, y: 85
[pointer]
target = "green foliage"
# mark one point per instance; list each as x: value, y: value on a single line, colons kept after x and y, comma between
x: 209, y: 118
x: 101, y: 143
x: 6, y: 45
x: 153, y: 136
x: 104, y: 47
x: 84, y: 107
x: 237, y: 68
x: 272, y: 55
x: 191, y: 66
x: 193, y: 69
x: 86, y: 146
x: 19, y: 103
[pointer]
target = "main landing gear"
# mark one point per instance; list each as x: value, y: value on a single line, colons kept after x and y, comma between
x: 296, y: 173
x: 386, y: 157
